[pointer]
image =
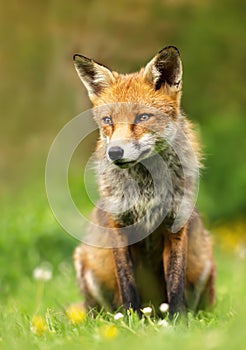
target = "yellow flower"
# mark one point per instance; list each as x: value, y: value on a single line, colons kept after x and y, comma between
x: 109, y: 331
x: 76, y: 313
x: 38, y: 325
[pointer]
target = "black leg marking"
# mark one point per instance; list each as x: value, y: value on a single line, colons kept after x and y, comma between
x: 126, y: 279
x: 175, y: 267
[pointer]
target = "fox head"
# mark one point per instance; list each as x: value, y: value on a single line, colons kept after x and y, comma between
x: 136, y: 113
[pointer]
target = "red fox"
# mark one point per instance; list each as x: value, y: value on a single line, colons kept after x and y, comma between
x: 141, y: 126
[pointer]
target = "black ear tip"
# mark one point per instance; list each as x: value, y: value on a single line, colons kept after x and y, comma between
x: 76, y: 57
x: 169, y: 49
x: 80, y: 58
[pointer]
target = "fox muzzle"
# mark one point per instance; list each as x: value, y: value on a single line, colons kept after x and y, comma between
x: 115, y: 153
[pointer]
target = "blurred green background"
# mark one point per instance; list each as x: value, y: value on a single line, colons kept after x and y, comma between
x: 40, y: 92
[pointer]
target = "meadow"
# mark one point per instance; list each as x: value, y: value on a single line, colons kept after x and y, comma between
x: 39, y: 312
x: 40, y: 93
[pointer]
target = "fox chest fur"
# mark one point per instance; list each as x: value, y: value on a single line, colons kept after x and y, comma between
x: 136, y: 195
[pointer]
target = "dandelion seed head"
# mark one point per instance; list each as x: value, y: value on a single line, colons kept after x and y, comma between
x: 118, y: 316
x: 163, y: 323
x: 147, y: 311
x: 164, y: 307
x: 43, y: 272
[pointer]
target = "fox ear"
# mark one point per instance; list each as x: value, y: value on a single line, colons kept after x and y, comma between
x: 165, y: 68
x: 94, y: 76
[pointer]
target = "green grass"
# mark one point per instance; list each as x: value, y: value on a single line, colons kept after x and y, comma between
x: 30, y: 236
x: 40, y: 92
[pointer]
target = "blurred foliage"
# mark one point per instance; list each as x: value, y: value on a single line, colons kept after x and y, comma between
x: 29, y: 236
x: 40, y: 92
x: 233, y: 241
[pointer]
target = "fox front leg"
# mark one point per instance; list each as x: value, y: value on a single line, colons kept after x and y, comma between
x: 174, y: 258
x: 126, y: 279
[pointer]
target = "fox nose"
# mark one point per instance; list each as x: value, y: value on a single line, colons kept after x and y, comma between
x: 115, y: 153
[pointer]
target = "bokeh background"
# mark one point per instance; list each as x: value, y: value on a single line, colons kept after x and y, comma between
x: 40, y: 92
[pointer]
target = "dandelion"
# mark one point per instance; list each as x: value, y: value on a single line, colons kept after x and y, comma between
x: 164, y: 307
x: 42, y: 273
x: 147, y: 311
x: 38, y: 325
x: 118, y: 316
x: 163, y: 323
x: 76, y: 313
x: 109, y: 332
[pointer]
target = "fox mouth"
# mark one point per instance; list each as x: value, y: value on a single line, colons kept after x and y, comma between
x: 123, y: 163
x: 126, y: 163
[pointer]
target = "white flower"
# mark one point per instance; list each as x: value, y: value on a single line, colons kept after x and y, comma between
x: 164, y: 307
x: 118, y: 316
x: 163, y: 323
x: 43, y: 273
x: 147, y: 311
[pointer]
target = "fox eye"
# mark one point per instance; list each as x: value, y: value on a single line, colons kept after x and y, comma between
x: 107, y: 121
x: 143, y: 117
